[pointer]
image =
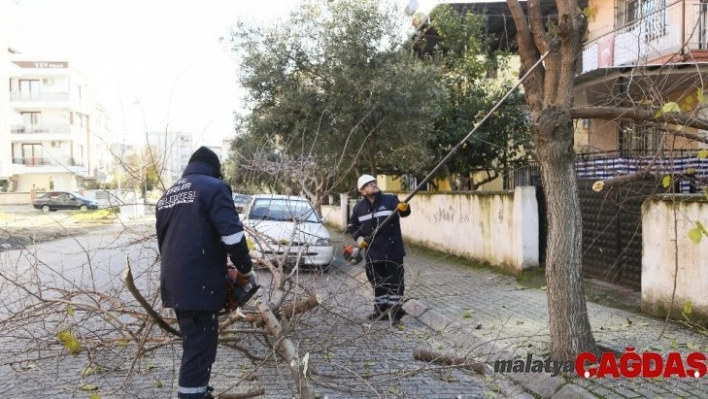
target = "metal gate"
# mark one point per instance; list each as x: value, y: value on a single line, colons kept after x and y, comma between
x: 612, y: 232
x: 612, y: 227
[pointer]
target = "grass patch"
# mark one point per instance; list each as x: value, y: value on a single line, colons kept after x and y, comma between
x: 535, y: 278
x: 99, y: 215
x: 414, y: 249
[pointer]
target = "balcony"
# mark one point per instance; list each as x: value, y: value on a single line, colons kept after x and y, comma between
x: 34, y: 96
x: 660, y: 34
x: 39, y: 161
x: 60, y: 128
x: 48, y: 165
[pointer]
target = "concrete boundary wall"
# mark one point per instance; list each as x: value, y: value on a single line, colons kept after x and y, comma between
x: 500, y: 228
x: 659, y: 255
x: 16, y: 198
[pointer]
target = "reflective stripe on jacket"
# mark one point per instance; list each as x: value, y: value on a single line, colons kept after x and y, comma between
x: 366, y: 216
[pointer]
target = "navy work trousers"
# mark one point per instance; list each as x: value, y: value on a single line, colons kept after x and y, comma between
x: 386, y: 277
x: 200, y: 332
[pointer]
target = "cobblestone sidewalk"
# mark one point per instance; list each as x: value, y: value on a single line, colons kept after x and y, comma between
x: 487, y: 315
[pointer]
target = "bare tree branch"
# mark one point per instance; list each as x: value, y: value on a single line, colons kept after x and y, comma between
x: 638, y: 115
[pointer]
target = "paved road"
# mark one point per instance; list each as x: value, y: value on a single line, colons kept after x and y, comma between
x: 349, y: 358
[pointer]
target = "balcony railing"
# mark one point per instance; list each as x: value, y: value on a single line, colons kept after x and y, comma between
x: 638, y: 154
x: 35, y: 96
x: 658, y: 33
x: 44, y: 128
x: 44, y: 161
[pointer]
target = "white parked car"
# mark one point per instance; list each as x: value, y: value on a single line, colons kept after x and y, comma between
x: 279, y: 222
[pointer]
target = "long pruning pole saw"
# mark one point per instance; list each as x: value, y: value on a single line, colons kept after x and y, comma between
x: 352, y: 254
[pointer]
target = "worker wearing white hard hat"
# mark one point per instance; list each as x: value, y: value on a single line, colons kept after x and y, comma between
x: 384, y: 246
x: 364, y: 180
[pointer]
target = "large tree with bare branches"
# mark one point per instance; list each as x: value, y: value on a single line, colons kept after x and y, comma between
x: 550, y: 54
x: 549, y: 93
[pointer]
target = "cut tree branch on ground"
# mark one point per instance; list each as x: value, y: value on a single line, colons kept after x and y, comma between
x: 130, y: 284
x: 287, y: 351
x: 257, y: 320
x: 436, y: 357
x: 245, y: 395
x: 620, y: 180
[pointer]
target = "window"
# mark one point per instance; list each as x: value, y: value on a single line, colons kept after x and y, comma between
x: 638, y: 139
x: 77, y: 90
x: 283, y: 210
x: 30, y: 85
x: 651, y: 15
x: 79, y: 156
x: 32, y: 154
x: 31, y: 120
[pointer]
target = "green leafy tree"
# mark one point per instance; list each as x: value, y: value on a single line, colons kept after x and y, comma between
x: 333, y: 93
x: 465, y: 59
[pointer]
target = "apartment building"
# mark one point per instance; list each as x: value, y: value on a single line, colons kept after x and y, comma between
x: 51, y: 106
x: 171, y: 151
x: 6, y: 11
x: 642, y: 53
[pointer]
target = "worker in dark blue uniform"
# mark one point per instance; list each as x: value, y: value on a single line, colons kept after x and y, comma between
x: 197, y: 227
x: 384, y: 252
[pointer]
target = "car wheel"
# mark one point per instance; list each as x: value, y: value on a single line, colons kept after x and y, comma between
x: 46, y: 208
x: 83, y: 207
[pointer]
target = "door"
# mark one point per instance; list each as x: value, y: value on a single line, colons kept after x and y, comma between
x: 32, y: 154
x: 68, y: 201
x: 29, y: 89
x: 32, y: 121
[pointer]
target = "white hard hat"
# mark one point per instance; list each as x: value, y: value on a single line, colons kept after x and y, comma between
x: 364, y: 180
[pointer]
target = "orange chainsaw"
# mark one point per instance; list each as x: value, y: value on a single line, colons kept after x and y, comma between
x: 352, y: 254
x: 239, y: 290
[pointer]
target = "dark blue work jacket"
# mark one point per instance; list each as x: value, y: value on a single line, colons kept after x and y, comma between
x: 366, y: 216
x: 192, y: 216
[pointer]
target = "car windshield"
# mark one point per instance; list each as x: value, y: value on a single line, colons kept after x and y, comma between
x: 283, y: 210
x: 241, y: 199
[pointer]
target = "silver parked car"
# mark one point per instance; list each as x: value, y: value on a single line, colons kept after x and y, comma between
x: 280, y: 222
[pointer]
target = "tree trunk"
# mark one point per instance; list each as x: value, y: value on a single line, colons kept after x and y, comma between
x: 549, y: 93
x: 568, y: 319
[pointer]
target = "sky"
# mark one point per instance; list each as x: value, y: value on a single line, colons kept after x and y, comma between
x: 157, y: 63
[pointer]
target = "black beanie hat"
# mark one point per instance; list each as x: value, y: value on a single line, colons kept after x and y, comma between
x: 209, y: 157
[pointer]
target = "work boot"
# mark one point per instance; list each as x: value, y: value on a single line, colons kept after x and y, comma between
x: 377, y: 316
x: 398, y: 313
x: 209, y: 394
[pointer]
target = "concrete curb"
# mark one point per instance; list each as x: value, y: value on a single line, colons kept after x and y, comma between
x: 511, y: 385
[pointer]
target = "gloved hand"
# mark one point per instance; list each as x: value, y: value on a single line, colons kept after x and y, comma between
x: 402, y: 207
x: 361, y: 242
x: 251, y: 276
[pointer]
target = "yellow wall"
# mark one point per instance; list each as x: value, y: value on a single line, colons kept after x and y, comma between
x: 443, y: 185
x: 388, y: 183
x: 494, y: 185
x: 603, y: 20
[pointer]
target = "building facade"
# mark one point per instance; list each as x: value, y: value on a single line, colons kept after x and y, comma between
x: 642, y: 54
x: 170, y: 152
x: 7, y: 9
x: 51, y: 109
